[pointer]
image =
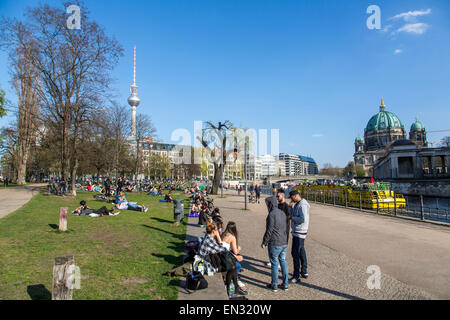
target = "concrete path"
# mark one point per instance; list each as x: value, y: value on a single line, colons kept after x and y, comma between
x: 414, y: 257
x: 14, y: 198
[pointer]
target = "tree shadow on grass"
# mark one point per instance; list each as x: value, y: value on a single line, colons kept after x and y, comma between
x: 177, y: 236
x: 39, y: 292
x: 161, y: 220
x: 173, y: 260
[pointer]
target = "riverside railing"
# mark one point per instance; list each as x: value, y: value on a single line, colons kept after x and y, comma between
x: 420, y: 207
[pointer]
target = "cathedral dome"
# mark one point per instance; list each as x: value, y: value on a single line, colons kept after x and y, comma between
x: 417, y: 126
x: 384, y: 120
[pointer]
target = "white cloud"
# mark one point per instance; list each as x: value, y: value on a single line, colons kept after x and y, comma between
x: 386, y: 28
x: 411, y: 15
x: 316, y: 135
x: 417, y: 28
x: 398, y: 51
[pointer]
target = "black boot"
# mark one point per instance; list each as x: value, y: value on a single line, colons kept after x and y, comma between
x: 241, y: 291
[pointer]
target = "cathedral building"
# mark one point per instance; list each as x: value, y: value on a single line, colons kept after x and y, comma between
x: 382, y: 130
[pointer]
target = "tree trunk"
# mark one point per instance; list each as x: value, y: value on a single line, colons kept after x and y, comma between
x: 21, y: 166
x: 216, y: 179
x: 62, y: 277
x: 74, y: 175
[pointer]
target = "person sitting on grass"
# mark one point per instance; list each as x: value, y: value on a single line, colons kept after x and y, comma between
x: 123, y: 204
x: 84, y: 210
x: 168, y: 197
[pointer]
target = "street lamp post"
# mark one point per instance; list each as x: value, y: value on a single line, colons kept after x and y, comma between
x: 221, y: 189
x: 245, y: 172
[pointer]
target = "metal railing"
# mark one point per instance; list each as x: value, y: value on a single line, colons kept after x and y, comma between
x: 413, y: 209
x: 419, y: 207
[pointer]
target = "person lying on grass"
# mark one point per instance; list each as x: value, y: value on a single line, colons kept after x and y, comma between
x: 84, y: 210
x: 123, y: 204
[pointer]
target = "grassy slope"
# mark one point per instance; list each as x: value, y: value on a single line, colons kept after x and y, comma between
x: 120, y: 257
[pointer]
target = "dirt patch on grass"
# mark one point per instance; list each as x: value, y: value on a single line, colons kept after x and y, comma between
x: 133, y: 280
x: 112, y: 239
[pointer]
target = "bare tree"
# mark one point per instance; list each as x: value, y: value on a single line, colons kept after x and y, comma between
x: 118, y: 121
x: 144, y: 129
x: 17, y: 40
x: 221, y: 142
x: 74, y: 67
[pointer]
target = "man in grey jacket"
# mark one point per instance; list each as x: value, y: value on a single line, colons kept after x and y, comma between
x: 299, y: 225
x: 275, y: 238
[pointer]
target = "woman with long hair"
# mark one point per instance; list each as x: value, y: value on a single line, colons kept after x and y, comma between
x: 211, y: 246
x: 230, y: 240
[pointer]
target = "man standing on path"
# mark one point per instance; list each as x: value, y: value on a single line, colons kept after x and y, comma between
x: 275, y: 238
x: 300, y: 222
x: 283, y: 206
x: 258, y: 193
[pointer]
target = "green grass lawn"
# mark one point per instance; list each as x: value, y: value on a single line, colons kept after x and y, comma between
x: 121, y: 257
x: 11, y: 185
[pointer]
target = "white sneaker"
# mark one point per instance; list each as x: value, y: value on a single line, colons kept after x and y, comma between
x: 240, y: 283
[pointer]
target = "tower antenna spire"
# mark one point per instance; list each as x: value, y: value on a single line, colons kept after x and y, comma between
x: 134, y: 66
x: 134, y: 100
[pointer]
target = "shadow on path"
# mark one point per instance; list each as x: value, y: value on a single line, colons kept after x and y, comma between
x: 333, y: 292
x: 253, y: 267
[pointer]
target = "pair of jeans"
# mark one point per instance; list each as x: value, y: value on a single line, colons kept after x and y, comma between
x: 299, y: 256
x: 133, y: 206
x: 278, y: 254
x: 238, y: 267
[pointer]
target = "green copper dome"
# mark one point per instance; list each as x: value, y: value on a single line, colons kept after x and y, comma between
x: 416, y: 126
x: 384, y: 120
x: 359, y: 139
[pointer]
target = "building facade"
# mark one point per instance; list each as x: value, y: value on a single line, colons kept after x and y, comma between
x: 407, y: 159
x: 382, y: 130
x: 296, y: 165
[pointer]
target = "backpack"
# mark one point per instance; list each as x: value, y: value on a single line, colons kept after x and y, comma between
x: 196, y: 281
x: 227, y: 259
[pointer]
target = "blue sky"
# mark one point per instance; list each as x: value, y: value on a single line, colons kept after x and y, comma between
x: 309, y: 68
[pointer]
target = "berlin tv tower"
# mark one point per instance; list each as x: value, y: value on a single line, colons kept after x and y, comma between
x: 134, y: 100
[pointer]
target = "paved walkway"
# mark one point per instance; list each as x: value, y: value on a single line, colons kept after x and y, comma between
x: 414, y: 257
x: 14, y: 198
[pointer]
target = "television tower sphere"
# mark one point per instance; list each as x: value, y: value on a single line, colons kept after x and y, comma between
x: 134, y: 100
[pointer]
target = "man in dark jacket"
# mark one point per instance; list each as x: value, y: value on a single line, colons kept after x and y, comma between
x: 275, y: 238
x: 107, y: 186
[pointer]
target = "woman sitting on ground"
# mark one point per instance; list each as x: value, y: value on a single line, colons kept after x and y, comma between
x: 203, y: 215
x: 195, y: 207
x: 211, y: 246
x: 231, y: 243
x: 168, y: 197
